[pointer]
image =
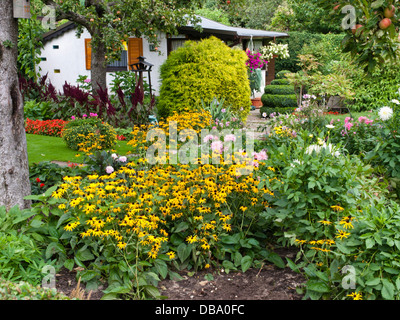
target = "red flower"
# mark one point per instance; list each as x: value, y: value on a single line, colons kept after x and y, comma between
x: 42, y: 185
x: 37, y: 180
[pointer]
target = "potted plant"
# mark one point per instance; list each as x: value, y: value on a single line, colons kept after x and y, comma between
x: 254, y: 64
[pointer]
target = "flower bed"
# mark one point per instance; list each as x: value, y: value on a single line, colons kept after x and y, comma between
x: 45, y: 127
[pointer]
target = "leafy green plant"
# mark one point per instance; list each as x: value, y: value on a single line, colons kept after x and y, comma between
x: 38, y: 110
x: 23, y: 290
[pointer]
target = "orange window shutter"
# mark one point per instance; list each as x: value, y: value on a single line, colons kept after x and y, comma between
x: 88, y: 54
x: 135, y: 50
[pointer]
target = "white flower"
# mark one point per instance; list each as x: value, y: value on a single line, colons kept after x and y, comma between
x: 396, y: 101
x: 114, y: 156
x: 109, y: 169
x: 385, y: 113
x: 122, y: 159
x: 264, y: 114
x: 329, y: 126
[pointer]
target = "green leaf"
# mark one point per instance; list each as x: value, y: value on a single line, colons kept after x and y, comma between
x: 183, y: 251
x: 275, y: 259
x: 369, y: 243
x: 246, y: 263
x: 161, y: 267
x: 387, y: 289
x: 373, y: 282
x: 318, y: 286
x: 292, y: 265
x: 181, y: 227
x: 152, y: 291
x: 84, y: 255
x: 69, y: 264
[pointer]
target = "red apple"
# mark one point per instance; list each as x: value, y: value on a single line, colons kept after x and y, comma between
x: 355, y: 28
x: 385, y: 23
x: 389, y: 11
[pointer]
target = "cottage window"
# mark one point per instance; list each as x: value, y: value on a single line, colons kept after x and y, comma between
x: 135, y: 50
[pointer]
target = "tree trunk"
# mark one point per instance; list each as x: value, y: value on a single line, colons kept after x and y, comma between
x: 98, y: 66
x: 14, y: 168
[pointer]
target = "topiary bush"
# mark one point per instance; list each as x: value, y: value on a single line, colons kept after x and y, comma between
x: 279, y: 82
x: 267, y: 111
x: 202, y: 71
x: 279, y: 89
x: 279, y: 101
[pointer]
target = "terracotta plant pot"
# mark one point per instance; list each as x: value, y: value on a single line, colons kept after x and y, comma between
x: 256, y: 102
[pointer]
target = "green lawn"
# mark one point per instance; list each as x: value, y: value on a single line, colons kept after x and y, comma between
x: 355, y: 115
x: 45, y: 148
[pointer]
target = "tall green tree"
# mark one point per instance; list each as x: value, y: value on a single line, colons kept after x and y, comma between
x: 110, y: 22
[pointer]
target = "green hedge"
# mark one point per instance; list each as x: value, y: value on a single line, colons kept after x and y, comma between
x: 279, y: 82
x: 268, y: 110
x: 279, y: 89
x: 279, y: 101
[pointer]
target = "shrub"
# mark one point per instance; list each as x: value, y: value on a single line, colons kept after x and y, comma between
x: 281, y: 74
x: 25, y: 291
x: 202, y: 71
x: 37, y: 110
x: 88, y: 134
x: 44, y: 175
x: 268, y: 111
x: 279, y: 101
x: 279, y: 89
x: 279, y: 82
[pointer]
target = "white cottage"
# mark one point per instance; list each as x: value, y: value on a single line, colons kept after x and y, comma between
x: 65, y: 56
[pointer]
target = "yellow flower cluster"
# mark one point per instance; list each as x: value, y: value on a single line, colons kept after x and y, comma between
x: 194, y: 120
x: 143, y: 206
x: 283, y: 131
x: 91, y: 143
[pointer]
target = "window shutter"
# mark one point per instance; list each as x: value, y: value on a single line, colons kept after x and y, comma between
x: 88, y: 54
x: 135, y: 49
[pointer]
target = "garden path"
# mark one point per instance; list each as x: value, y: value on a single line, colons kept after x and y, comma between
x: 254, y: 121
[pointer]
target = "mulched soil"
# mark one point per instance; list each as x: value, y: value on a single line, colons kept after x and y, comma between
x: 266, y: 283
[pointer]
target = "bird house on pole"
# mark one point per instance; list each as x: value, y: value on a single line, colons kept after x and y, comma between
x: 139, y: 68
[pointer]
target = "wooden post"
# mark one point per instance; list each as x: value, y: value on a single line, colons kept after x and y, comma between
x: 270, y: 74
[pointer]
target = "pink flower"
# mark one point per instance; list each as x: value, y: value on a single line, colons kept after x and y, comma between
x: 230, y: 137
x: 87, y: 80
x: 217, y: 146
x: 262, y: 155
x: 122, y: 159
x: 73, y: 117
x: 348, y: 125
x: 84, y: 116
x: 109, y: 169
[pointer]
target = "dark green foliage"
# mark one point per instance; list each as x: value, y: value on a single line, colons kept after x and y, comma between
x: 269, y: 110
x: 296, y: 42
x: 279, y: 82
x: 279, y: 89
x: 279, y: 101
